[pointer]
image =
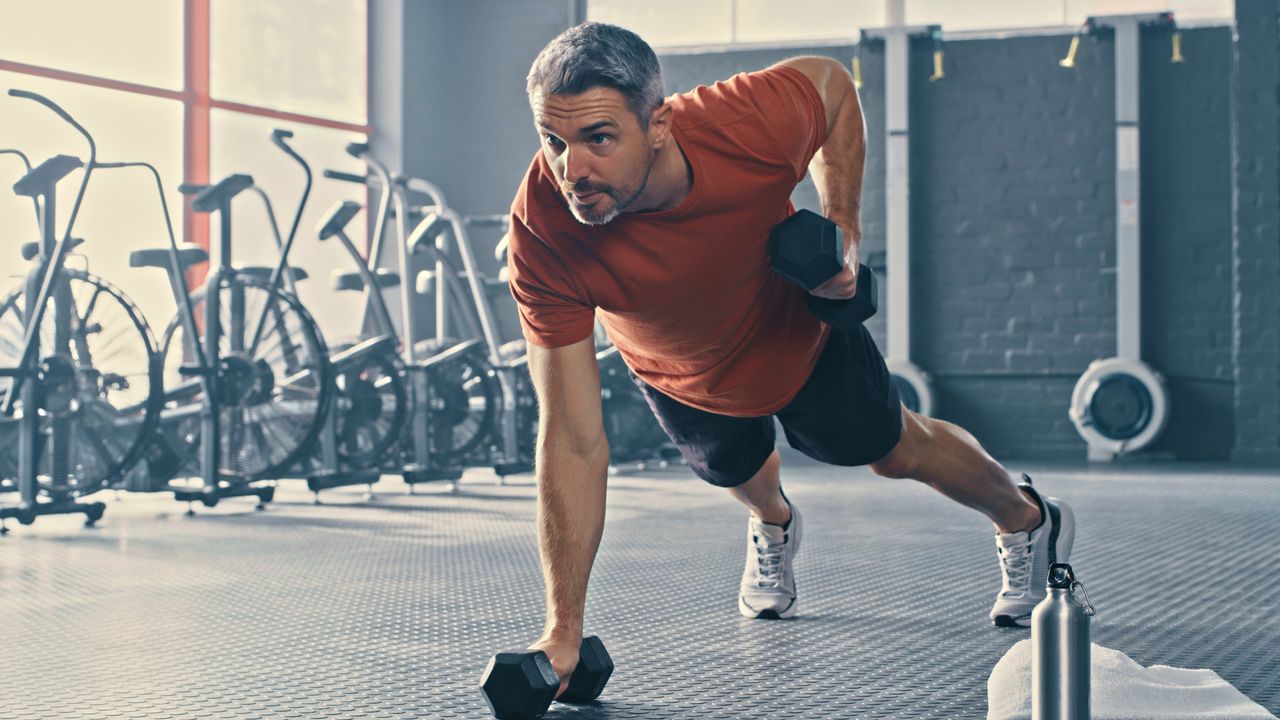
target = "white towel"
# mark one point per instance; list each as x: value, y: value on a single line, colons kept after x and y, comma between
x: 1124, y: 690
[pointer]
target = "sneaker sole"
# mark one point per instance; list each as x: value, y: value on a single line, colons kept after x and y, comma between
x: 1061, y: 538
x: 769, y: 614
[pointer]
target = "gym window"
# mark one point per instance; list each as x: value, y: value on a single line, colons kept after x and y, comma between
x: 193, y: 86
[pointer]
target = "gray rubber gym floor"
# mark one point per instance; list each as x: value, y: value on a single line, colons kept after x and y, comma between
x: 390, y: 609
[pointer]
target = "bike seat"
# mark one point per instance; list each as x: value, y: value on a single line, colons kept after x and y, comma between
x: 364, y: 348
x: 32, y: 249
x: 212, y: 197
x: 263, y: 272
x: 46, y: 174
x: 188, y: 255
x: 443, y: 352
x: 337, y: 218
x: 426, y: 281
x: 354, y: 281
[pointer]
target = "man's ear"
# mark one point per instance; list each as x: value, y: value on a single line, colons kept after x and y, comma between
x: 660, y: 124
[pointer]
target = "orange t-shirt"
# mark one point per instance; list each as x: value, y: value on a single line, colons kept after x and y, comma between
x: 688, y: 294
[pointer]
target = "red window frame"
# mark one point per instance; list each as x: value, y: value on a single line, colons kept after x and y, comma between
x: 197, y: 104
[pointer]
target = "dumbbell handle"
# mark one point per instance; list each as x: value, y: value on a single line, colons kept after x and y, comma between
x: 857, y: 309
x: 581, y: 688
x: 578, y: 691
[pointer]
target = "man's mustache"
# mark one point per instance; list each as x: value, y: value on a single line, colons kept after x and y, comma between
x: 585, y: 189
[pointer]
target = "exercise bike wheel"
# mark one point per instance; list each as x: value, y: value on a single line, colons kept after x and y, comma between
x: 463, y: 405
x: 372, y: 404
x: 99, y: 390
x: 274, y: 392
x: 526, y: 413
x: 633, y: 431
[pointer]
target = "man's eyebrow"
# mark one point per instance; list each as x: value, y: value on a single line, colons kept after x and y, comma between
x: 597, y: 126
x: 584, y: 130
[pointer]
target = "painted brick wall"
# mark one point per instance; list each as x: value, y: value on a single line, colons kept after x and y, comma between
x: 1013, y: 230
x: 1256, y: 296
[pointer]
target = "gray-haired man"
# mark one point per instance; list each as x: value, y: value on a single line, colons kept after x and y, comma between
x: 653, y: 213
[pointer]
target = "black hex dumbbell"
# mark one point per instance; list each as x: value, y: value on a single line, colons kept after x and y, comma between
x: 808, y: 250
x: 520, y: 684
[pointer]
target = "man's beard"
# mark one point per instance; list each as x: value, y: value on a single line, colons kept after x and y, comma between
x: 586, y: 216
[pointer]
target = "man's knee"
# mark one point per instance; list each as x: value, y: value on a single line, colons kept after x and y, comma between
x: 904, y: 459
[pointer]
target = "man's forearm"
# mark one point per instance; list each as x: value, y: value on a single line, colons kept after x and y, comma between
x: 571, y: 495
x: 837, y: 167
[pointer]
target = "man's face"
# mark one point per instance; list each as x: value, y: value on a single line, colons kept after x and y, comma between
x: 598, y: 152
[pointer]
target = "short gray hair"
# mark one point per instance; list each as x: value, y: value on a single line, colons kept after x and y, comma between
x: 594, y: 55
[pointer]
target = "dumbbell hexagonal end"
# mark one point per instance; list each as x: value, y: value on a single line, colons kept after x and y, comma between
x: 593, y: 671
x: 807, y: 249
x: 519, y: 685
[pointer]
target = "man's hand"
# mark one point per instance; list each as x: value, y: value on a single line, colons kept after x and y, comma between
x: 844, y: 284
x: 562, y: 650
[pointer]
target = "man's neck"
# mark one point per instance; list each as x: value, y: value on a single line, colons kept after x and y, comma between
x: 669, y: 181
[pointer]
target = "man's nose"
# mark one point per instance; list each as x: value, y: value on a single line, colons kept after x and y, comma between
x: 575, y: 167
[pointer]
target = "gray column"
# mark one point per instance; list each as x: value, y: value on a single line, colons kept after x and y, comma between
x: 386, y: 80
x: 1256, y: 261
x: 447, y: 86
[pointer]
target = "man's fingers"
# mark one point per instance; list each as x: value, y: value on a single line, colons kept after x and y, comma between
x: 840, y: 287
x: 835, y: 295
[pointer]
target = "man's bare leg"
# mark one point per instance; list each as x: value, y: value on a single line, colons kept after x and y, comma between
x: 762, y: 494
x: 935, y: 452
x: 950, y: 460
x: 947, y: 458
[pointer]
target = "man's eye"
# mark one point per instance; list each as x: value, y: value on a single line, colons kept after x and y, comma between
x: 552, y: 140
x: 600, y: 139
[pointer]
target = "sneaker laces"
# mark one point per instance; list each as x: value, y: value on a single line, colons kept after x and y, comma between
x: 768, y: 571
x: 1016, y: 563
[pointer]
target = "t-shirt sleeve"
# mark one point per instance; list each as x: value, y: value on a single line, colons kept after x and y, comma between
x: 792, y: 111
x: 552, y: 310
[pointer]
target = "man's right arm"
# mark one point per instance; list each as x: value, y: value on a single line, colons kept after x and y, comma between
x: 571, y: 470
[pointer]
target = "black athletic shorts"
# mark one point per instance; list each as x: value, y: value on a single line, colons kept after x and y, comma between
x: 847, y: 413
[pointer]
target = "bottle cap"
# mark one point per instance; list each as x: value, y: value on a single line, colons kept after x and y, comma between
x: 1061, y: 576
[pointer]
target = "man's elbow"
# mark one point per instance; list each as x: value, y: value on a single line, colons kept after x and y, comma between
x: 583, y: 443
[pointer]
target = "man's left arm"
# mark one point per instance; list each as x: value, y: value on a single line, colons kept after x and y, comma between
x: 837, y: 166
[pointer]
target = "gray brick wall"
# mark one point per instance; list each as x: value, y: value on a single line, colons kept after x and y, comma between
x: 1012, y: 206
x: 1187, y: 227
x: 1013, y: 227
x: 1256, y: 260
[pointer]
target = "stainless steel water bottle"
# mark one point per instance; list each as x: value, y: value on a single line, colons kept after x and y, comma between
x: 1060, y: 649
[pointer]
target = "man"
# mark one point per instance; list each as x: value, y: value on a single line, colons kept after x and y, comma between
x: 653, y: 213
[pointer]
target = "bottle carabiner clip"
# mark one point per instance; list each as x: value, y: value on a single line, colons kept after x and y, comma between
x: 1082, y: 598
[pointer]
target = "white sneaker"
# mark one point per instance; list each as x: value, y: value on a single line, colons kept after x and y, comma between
x: 768, y: 588
x: 1025, y: 558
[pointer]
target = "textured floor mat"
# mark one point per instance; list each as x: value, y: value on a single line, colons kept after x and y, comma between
x: 390, y: 608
